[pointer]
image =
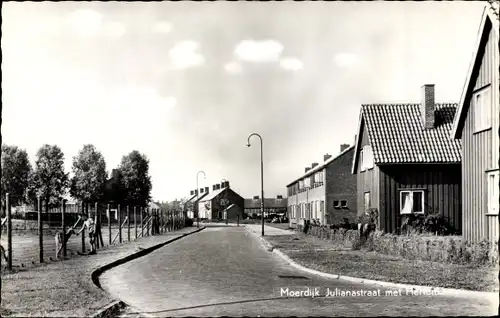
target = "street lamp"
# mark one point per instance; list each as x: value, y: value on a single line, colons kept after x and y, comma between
x: 223, y: 181
x: 197, y: 197
x: 261, y: 177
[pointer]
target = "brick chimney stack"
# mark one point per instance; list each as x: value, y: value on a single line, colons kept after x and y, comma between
x: 326, y: 157
x: 427, y: 106
x: 343, y: 147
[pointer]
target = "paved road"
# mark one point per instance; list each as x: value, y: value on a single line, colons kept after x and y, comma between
x: 225, y: 271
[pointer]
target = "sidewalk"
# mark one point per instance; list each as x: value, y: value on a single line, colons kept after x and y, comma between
x: 65, y: 288
x: 268, y: 230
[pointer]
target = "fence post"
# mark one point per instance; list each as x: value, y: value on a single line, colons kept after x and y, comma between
x: 83, y: 232
x: 9, y: 232
x: 128, y: 223
x: 148, y: 228
x: 119, y: 224
x: 135, y: 221
x: 238, y: 219
x: 98, y: 221
x: 109, y: 224
x: 40, y: 229
x: 63, y: 225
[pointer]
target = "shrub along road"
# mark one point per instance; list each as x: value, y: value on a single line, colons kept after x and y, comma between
x: 226, y: 271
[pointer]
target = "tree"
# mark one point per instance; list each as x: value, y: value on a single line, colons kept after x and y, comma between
x: 49, y: 181
x: 16, y: 170
x: 89, y: 169
x: 134, y: 171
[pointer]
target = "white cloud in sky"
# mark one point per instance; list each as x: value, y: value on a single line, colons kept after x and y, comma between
x: 346, y: 59
x: 233, y: 67
x: 259, y: 51
x: 115, y: 29
x: 185, y: 55
x: 85, y: 22
x: 162, y: 27
x: 291, y: 64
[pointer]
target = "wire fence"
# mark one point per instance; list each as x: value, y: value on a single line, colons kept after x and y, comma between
x: 38, y: 233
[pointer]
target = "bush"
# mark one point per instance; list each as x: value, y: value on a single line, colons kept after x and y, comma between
x: 429, y: 223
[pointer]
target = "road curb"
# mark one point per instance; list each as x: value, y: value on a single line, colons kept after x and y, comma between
x: 415, y: 288
x: 112, y: 308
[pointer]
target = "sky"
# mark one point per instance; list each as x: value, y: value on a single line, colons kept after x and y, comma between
x: 186, y: 83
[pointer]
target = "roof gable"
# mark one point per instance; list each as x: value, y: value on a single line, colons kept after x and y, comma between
x: 489, y: 23
x: 396, y: 134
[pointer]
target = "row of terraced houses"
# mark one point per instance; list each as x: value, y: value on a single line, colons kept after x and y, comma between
x: 419, y: 158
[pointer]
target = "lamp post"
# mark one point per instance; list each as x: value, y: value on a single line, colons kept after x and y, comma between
x: 197, y: 197
x: 261, y: 177
x: 223, y: 181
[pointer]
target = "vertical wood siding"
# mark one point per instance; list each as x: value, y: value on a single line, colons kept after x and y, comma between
x: 441, y: 184
x: 481, y: 150
x: 368, y: 180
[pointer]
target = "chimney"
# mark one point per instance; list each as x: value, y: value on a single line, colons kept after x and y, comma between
x: 222, y: 185
x: 217, y: 186
x: 255, y: 197
x: 192, y: 192
x: 214, y: 187
x: 343, y: 147
x: 314, y: 164
x: 279, y: 197
x: 206, y: 189
x: 326, y: 157
x: 227, y: 184
x: 427, y: 106
x: 196, y: 192
x: 307, y: 169
x: 201, y: 190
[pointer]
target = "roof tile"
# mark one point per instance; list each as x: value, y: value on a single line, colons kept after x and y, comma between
x: 397, y: 135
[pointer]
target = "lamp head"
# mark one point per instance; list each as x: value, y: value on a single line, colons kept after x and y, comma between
x: 248, y: 145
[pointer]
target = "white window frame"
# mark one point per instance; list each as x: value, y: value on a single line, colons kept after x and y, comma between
x: 322, y: 206
x: 482, y: 111
x: 492, y: 199
x: 336, y: 206
x: 369, y: 201
x: 401, y: 205
x: 361, y: 160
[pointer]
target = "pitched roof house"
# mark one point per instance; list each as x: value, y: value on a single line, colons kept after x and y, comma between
x: 406, y: 163
x: 477, y: 125
x: 213, y: 205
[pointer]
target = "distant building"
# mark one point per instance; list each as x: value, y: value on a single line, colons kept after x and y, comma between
x: 276, y: 205
x: 325, y: 191
x: 477, y: 124
x: 222, y: 197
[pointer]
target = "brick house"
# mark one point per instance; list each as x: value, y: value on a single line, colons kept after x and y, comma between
x: 276, y: 205
x: 326, y: 192
x: 477, y: 125
x: 405, y: 162
x: 213, y: 205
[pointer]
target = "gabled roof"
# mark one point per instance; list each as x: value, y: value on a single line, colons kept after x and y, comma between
x: 201, y: 198
x: 154, y: 205
x: 194, y: 196
x: 489, y: 22
x: 212, y: 195
x: 396, y: 134
x: 321, y: 166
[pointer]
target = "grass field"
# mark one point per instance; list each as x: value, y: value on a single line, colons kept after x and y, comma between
x: 323, y: 255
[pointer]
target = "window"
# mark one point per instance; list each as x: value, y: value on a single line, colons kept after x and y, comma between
x: 366, y: 158
x: 412, y: 202
x: 366, y: 201
x: 343, y: 204
x: 493, y: 192
x: 336, y: 204
x: 322, y: 206
x: 301, y: 184
x: 482, y: 109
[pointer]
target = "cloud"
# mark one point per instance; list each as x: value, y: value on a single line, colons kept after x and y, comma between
x: 85, y: 22
x: 115, y: 29
x: 346, y: 59
x: 233, y: 68
x: 291, y: 64
x: 184, y: 55
x: 259, y: 51
x: 162, y: 27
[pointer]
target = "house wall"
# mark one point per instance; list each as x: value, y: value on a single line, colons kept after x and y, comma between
x: 368, y: 180
x: 481, y: 150
x: 442, y: 192
x: 299, y: 200
x: 341, y: 184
